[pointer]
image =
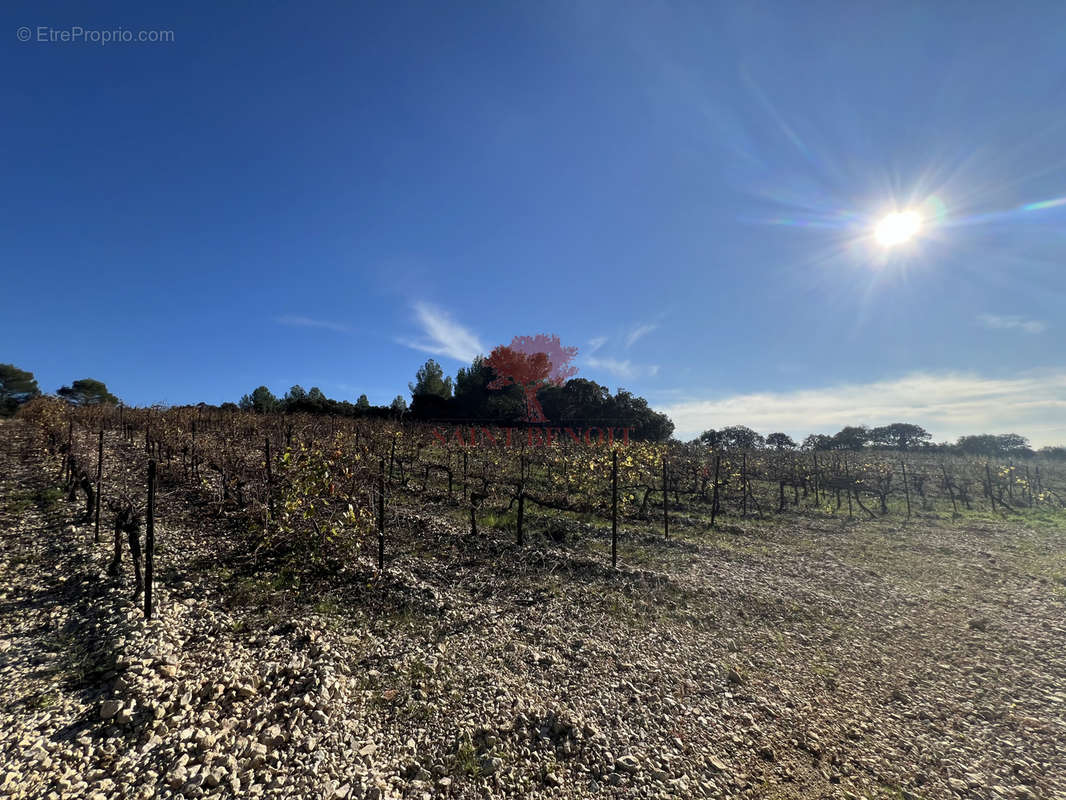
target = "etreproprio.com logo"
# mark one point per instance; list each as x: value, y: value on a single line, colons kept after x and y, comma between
x: 76, y: 34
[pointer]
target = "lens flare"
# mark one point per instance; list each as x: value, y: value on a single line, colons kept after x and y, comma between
x: 897, y: 228
x: 1060, y: 201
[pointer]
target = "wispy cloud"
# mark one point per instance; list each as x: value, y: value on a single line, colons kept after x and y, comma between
x: 442, y: 335
x: 947, y: 405
x: 622, y: 369
x: 296, y: 321
x: 998, y: 322
x: 639, y: 332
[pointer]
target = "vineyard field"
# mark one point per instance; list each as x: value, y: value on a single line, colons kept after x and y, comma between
x: 356, y: 608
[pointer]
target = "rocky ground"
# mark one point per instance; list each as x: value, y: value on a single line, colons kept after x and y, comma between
x: 786, y: 658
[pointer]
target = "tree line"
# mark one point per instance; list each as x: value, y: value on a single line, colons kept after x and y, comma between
x: 897, y: 436
x: 18, y: 386
x: 297, y: 400
x: 468, y: 397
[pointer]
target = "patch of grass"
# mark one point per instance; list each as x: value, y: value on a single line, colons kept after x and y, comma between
x: 76, y: 665
x: 466, y: 759
x: 823, y: 670
x: 48, y: 498
x: 328, y: 607
x: 898, y: 793
x: 416, y: 712
x: 418, y: 670
x: 637, y: 556
x: 253, y: 591
x: 265, y: 590
x: 1058, y: 586
x: 40, y: 700
x: 507, y: 520
x: 248, y: 591
x: 549, y: 584
x: 591, y: 518
x: 45, y: 500
x: 397, y: 618
x: 284, y: 580
x: 635, y: 614
x: 1045, y: 517
x: 19, y: 502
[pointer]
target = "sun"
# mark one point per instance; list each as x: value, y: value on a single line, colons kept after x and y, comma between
x: 897, y: 228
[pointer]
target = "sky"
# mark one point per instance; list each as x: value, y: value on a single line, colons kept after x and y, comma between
x: 327, y: 194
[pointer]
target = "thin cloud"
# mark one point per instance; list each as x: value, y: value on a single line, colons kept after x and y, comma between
x: 596, y: 343
x: 639, y: 332
x: 296, y: 321
x: 997, y: 322
x: 442, y: 335
x: 947, y: 405
x: 621, y: 369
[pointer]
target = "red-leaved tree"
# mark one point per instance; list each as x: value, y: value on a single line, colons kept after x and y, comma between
x: 532, y: 362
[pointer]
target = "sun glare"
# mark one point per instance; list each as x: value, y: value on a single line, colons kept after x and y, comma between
x: 897, y: 228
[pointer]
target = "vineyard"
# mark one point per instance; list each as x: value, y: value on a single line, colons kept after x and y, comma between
x: 318, y: 488
x: 239, y: 604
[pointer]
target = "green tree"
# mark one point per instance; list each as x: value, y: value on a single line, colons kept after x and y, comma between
x: 579, y: 401
x: 398, y: 405
x: 316, y: 399
x: 710, y: 437
x: 261, y: 401
x: 900, y: 435
x: 473, y: 398
x: 990, y: 444
x: 430, y: 380
x: 981, y: 444
x: 472, y: 380
x: 87, y: 392
x: 818, y: 441
x: 851, y: 437
x: 780, y: 441
x: 626, y: 409
x: 16, y: 387
x: 1011, y: 444
x: 740, y: 437
x: 363, y: 403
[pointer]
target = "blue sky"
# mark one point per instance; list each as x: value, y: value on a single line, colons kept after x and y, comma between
x: 327, y: 194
